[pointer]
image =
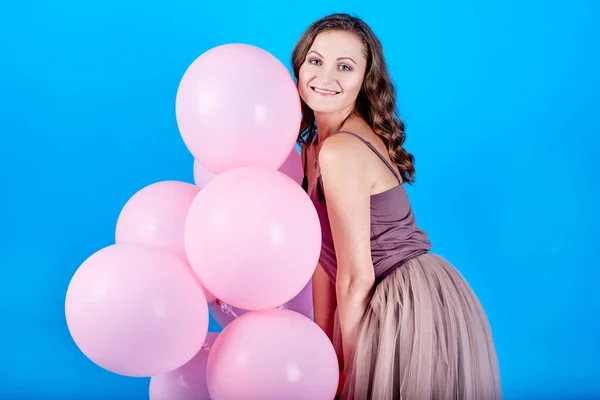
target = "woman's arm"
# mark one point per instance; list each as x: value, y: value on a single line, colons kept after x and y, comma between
x: 323, y: 292
x: 347, y: 183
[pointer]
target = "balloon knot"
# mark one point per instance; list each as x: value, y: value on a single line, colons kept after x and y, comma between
x: 227, y: 309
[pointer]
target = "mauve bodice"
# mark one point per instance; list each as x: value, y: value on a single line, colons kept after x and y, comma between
x: 395, y: 236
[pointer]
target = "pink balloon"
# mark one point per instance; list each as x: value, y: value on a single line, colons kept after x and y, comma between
x: 156, y: 215
x: 136, y: 310
x: 187, y: 382
x: 302, y: 304
x: 253, y: 238
x: 272, y: 354
x: 292, y: 167
x: 237, y: 105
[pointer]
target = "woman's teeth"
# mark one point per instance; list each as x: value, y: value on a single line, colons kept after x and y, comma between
x: 324, y: 91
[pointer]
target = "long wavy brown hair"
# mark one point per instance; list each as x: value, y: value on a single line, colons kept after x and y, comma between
x: 376, y: 102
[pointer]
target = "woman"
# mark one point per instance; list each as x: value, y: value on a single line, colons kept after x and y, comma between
x: 405, y: 323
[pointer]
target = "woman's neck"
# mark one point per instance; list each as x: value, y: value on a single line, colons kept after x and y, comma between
x: 329, y: 123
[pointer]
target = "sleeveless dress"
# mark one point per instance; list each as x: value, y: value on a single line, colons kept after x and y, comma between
x: 425, y: 334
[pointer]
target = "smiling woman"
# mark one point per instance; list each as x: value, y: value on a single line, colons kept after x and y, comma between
x: 405, y: 323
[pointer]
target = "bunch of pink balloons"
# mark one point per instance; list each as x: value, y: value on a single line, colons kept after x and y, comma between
x: 136, y: 308
x: 242, y: 243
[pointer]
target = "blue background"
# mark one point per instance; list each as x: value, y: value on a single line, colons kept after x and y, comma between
x: 501, y: 102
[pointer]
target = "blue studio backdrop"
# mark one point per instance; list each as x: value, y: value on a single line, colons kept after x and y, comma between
x: 501, y: 101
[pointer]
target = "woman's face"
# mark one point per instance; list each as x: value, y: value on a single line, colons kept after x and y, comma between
x: 332, y: 74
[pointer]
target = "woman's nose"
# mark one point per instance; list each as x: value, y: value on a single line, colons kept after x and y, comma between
x: 327, y: 75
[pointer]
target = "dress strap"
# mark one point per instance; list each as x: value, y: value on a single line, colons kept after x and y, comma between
x: 370, y: 145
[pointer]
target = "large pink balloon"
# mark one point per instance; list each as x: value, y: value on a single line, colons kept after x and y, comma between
x: 302, y: 304
x: 136, y: 310
x: 187, y: 382
x: 237, y: 105
x: 253, y: 238
x: 273, y: 354
x: 292, y: 167
x: 156, y: 215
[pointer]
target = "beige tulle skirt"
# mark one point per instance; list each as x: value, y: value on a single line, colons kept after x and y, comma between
x: 424, y: 336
